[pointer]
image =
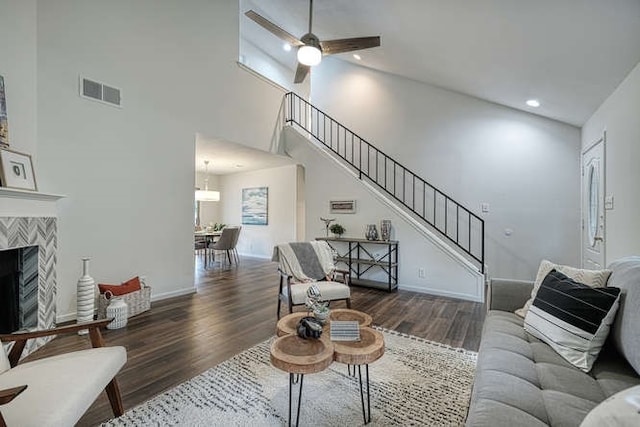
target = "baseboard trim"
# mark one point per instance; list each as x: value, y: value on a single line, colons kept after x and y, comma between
x: 440, y: 292
x: 254, y: 255
x: 62, y: 318
x: 66, y: 317
x: 171, y: 294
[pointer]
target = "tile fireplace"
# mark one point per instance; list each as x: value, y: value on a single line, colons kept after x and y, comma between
x: 33, y: 243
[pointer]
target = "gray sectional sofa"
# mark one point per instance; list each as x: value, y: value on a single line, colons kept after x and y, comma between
x: 521, y: 381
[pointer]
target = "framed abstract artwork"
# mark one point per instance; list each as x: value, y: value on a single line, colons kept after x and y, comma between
x: 16, y: 170
x: 255, y: 206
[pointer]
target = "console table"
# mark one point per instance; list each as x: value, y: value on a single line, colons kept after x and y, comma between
x: 360, y: 256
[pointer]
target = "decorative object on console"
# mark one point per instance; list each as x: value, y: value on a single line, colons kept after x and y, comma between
x: 16, y: 170
x: 342, y: 206
x: 255, y: 206
x: 371, y: 233
x: 337, y: 230
x: 385, y: 230
x: 327, y: 221
x: 4, y: 122
x: 117, y: 310
x: 85, y: 297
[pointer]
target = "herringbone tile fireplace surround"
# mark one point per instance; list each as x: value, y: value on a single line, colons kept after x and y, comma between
x: 20, y: 232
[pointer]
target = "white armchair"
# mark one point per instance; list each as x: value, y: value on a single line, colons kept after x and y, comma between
x: 58, y: 390
x: 302, y: 264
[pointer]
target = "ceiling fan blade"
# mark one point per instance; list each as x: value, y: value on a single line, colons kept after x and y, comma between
x: 301, y: 73
x: 273, y: 28
x: 329, y: 47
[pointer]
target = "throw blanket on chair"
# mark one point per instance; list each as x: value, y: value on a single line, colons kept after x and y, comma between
x: 305, y: 261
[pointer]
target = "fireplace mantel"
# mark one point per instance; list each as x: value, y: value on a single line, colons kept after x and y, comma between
x: 23, y: 203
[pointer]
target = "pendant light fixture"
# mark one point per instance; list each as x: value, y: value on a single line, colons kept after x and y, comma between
x: 206, y: 195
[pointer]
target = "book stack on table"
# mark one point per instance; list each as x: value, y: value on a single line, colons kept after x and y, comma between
x: 345, y: 330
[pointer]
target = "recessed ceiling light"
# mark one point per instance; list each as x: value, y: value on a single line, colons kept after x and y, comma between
x: 533, y: 103
x: 356, y: 56
x: 286, y: 47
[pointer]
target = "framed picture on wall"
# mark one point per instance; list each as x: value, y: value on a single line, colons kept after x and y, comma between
x: 342, y: 206
x: 255, y: 206
x: 4, y: 122
x: 16, y: 170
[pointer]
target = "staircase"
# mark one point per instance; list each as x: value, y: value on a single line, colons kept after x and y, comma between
x: 425, y: 203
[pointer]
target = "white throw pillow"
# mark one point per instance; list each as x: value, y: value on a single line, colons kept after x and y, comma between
x: 593, y: 278
x: 620, y: 410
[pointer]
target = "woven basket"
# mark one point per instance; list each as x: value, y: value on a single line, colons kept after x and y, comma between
x: 137, y: 302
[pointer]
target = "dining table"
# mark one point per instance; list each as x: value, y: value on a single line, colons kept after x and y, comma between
x: 209, y: 237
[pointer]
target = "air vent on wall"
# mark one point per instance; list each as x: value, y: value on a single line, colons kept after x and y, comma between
x: 97, y: 91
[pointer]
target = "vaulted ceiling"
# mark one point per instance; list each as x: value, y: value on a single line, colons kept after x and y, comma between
x: 568, y: 54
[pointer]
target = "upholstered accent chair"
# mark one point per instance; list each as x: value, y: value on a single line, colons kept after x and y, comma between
x: 227, y: 243
x: 302, y: 264
x: 58, y: 390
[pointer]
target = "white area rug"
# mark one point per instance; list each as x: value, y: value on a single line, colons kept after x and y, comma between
x: 416, y: 382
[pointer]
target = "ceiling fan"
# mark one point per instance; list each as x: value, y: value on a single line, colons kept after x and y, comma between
x: 310, y: 48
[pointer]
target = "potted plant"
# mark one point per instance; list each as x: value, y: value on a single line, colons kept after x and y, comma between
x: 321, y: 311
x: 337, y: 230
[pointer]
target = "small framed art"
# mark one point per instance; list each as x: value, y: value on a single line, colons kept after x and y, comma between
x: 4, y: 123
x: 16, y: 170
x: 342, y: 206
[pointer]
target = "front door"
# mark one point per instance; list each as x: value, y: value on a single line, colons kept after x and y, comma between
x: 593, y: 218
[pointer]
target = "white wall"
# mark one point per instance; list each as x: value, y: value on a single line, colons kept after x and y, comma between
x: 619, y: 115
x: 18, y: 67
x: 129, y: 173
x: 525, y: 166
x: 259, y: 240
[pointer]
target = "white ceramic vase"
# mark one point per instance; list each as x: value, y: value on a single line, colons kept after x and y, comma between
x: 118, y: 311
x: 85, y: 297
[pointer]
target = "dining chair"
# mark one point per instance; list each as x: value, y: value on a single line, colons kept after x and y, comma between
x: 303, y: 264
x: 200, y: 245
x: 235, y: 243
x: 226, y: 242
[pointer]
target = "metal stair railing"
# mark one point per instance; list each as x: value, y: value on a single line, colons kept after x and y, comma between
x: 425, y: 202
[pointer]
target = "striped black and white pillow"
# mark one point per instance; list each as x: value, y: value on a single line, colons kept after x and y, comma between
x: 573, y: 318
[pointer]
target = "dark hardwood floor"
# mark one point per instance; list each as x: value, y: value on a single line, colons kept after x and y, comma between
x: 234, y: 309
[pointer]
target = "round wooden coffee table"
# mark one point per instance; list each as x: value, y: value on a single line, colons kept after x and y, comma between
x: 357, y: 353
x: 287, y: 325
x: 347, y: 314
x: 298, y: 357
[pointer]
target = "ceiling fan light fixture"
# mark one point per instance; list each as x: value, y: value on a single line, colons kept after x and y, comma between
x: 309, y: 55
